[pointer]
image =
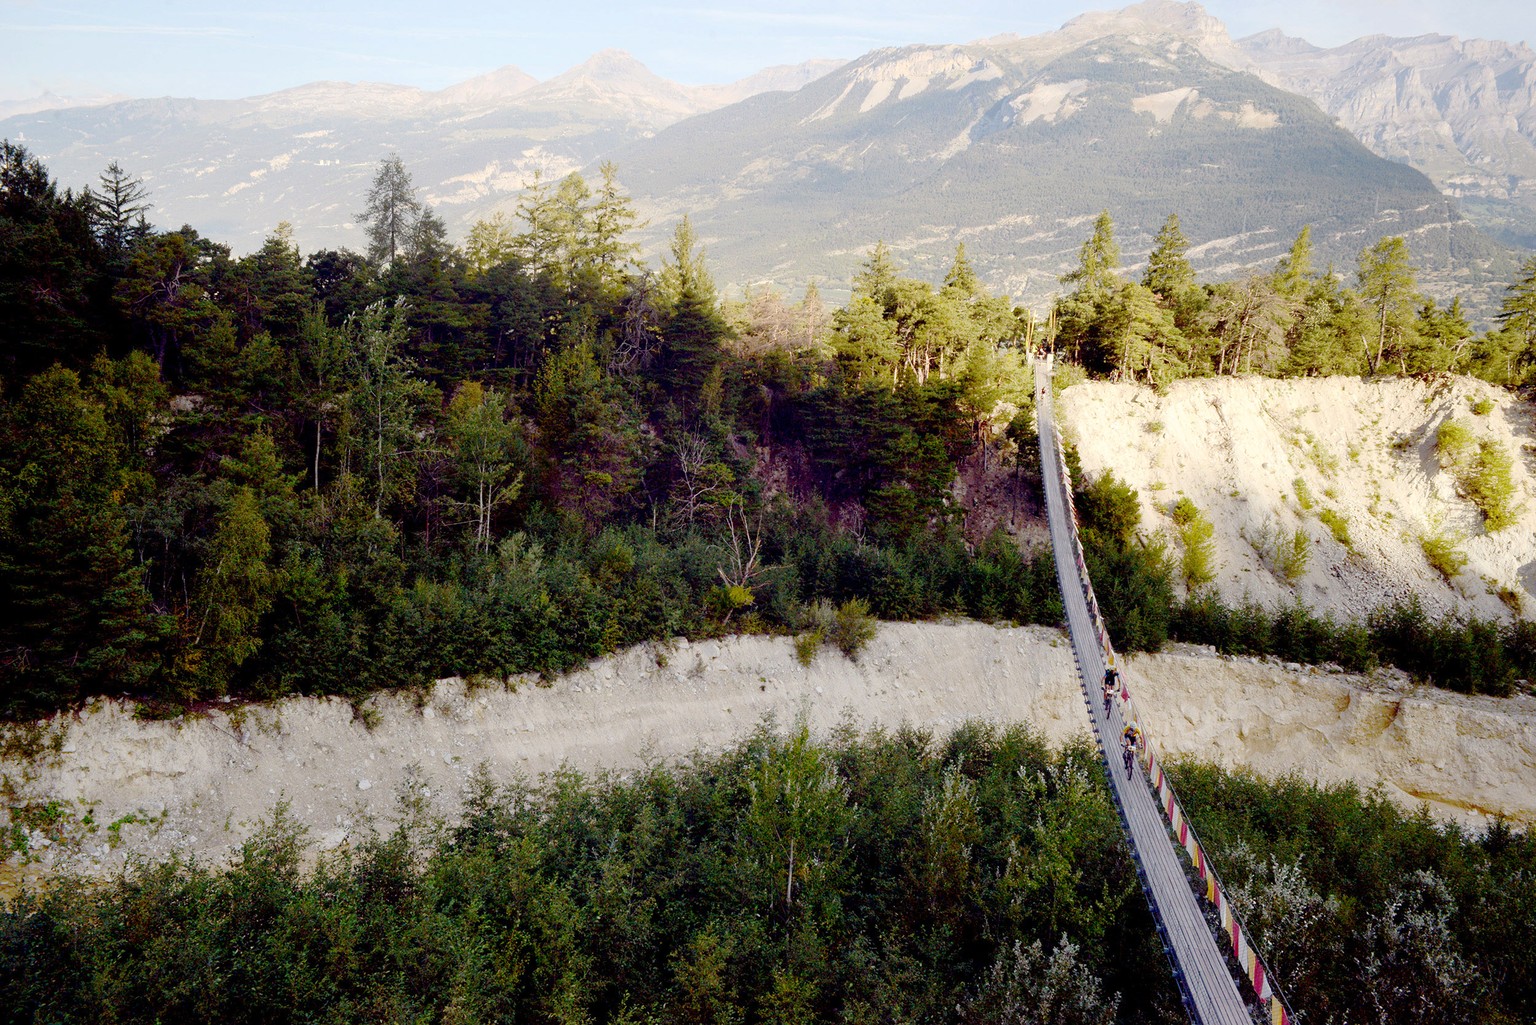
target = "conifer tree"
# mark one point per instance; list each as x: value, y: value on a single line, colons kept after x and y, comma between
x: 233, y: 593
x: 961, y: 280
x: 1098, y: 259
x: 694, y: 329
x: 75, y: 616
x: 1517, y: 314
x: 1386, y: 283
x: 118, y: 212
x: 1294, y: 272
x: 877, y: 275
x: 1169, y: 274
x: 391, y: 212
x: 490, y: 242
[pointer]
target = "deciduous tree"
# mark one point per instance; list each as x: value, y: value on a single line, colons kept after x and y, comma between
x: 483, y: 441
x: 386, y: 400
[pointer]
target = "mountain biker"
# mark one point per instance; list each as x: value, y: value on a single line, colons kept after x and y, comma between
x: 1130, y: 741
x: 1111, y: 681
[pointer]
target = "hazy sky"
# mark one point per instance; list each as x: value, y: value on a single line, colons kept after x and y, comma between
x: 218, y: 49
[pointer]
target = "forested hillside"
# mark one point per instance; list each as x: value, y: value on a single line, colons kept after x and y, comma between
x: 274, y: 474
x: 328, y: 474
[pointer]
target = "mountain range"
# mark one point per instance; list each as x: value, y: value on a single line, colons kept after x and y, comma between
x: 1461, y: 111
x: 1009, y: 144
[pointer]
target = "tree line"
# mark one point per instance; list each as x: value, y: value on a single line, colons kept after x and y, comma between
x: 278, y: 474
x: 1295, y: 320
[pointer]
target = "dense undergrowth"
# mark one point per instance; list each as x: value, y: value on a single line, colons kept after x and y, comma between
x: 878, y: 878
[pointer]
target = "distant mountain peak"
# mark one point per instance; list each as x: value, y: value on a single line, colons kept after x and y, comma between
x: 1274, y: 41
x: 614, y: 82
x: 1185, y: 22
x: 493, y: 86
x: 1160, y: 17
x: 894, y: 74
x: 610, y: 62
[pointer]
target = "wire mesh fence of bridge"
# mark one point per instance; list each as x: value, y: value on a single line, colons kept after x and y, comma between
x: 1142, y: 793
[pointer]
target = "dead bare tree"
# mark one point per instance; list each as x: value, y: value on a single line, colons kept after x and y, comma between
x: 744, y: 548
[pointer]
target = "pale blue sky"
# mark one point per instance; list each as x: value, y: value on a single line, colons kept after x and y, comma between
x: 217, y: 49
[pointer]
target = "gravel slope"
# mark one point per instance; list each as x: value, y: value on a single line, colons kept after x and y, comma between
x: 1363, y: 449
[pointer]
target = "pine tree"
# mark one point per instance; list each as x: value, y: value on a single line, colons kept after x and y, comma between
x: 1098, y: 259
x: 427, y: 241
x: 48, y: 261
x: 392, y: 211
x: 1293, y: 275
x: 74, y: 613
x: 1169, y: 274
x: 961, y: 281
x: 1386, y: 283
x: 1517, y: 314
x: 693, y: 329
x: 609, y: 220
x: 118, y: 212
x: 877, y: 276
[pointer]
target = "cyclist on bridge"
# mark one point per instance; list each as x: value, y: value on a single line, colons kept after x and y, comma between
x: 1130, y: 740
x: 1111, y: 682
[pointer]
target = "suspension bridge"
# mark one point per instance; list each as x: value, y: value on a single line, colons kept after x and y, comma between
x: 1154, y: 822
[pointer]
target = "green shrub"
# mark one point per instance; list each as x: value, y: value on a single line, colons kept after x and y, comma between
x: 1484, y: 473
x: 1197, y: 536
x: 1490, y: 485
x: 1303, y: 494
x: 853, y: 627
x: 1294, y: 556
x: 1135, y: 591
x: 807, y: 645
x: 1454, y: 444
x: 1482, y: 406
x: 1109, y: 511
x: 1443, y: 551
x: 1338, y: 525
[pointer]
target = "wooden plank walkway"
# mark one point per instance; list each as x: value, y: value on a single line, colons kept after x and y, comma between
x: 1201, y: 969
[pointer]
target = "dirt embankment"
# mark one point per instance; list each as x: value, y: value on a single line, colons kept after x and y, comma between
x: 123, y: 788
x: 1351, y: 464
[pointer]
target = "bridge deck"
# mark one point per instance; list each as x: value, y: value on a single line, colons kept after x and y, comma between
x: 1204, y: 975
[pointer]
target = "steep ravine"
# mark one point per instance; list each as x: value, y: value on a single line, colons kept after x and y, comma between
x: 199, y: 787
